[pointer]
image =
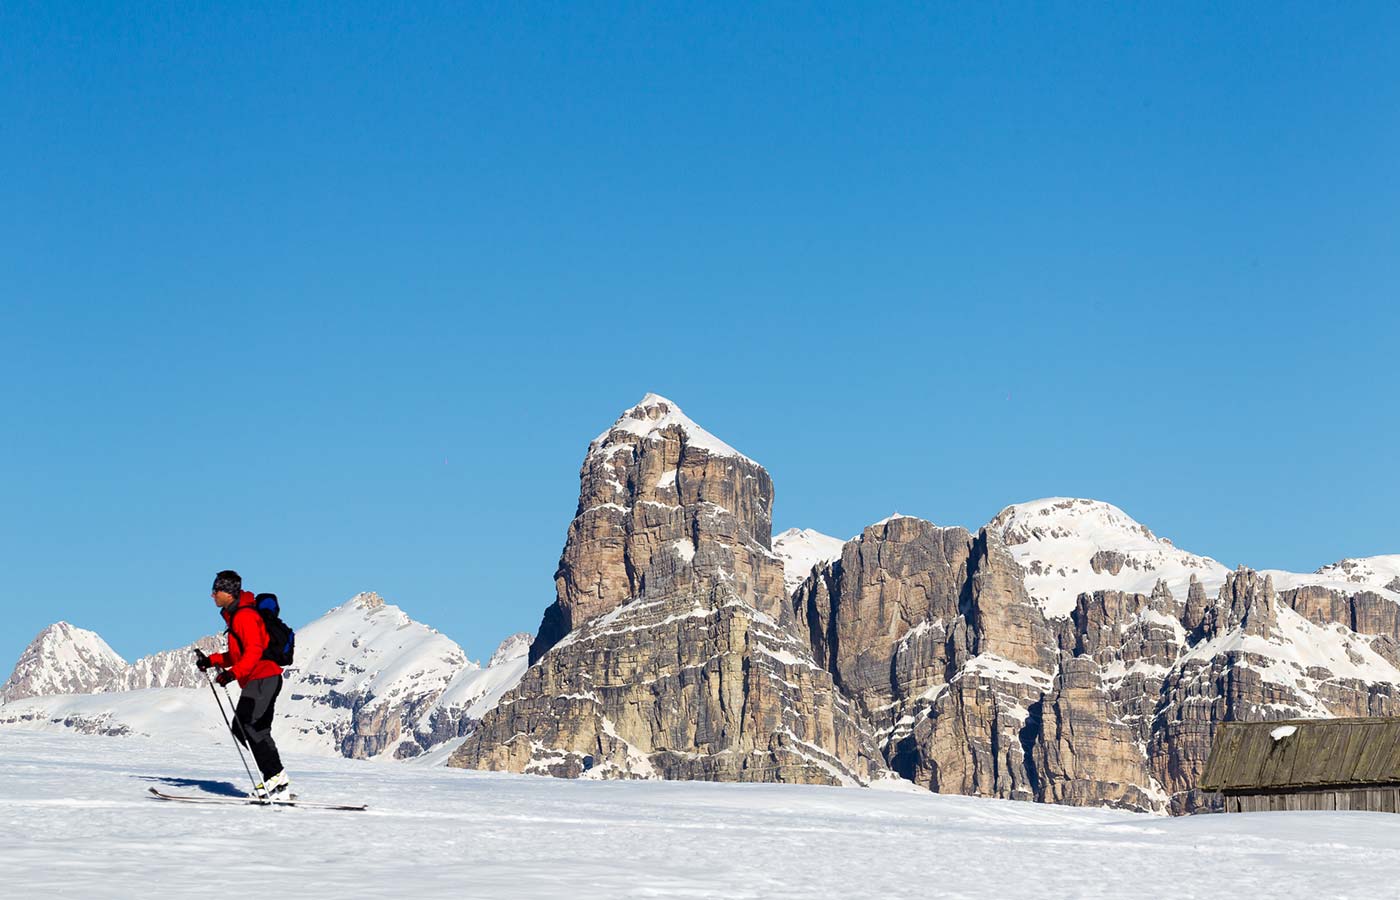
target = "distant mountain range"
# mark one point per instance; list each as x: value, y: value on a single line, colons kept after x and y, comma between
x: 1062, y: 652
x: 368, y: 681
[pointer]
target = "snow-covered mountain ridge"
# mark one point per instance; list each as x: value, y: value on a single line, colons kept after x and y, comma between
x: 1068, y: 546
x: 367, y: 681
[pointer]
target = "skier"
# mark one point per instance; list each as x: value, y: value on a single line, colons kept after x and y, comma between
x: 259, y: 678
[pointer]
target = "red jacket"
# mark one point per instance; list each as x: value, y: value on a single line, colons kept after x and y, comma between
x: 247, y: 640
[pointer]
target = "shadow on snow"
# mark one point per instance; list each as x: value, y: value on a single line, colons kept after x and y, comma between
x: 217, y: 788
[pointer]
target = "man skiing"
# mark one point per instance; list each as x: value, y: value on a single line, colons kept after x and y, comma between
x: 259, y: 678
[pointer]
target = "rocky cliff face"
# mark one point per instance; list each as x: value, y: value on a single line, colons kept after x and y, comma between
x: 974, y: 683
x: 670, y: 649
x: 664, y: 506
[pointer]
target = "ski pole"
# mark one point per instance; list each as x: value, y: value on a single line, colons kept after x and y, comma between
x: 229, y: 724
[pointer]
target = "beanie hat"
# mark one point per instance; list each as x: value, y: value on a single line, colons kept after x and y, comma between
x: 229, y: 582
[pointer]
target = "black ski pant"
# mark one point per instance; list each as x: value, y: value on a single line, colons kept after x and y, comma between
x: 252, y: 722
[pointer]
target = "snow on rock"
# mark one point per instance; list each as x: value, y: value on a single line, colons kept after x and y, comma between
x: 171, y: 668
x: 1300, y: 654
x: 1068, y: 546
x: 511, y: 649
x: 654, y: 415
x: 475, y: 690
x: 369, y: 680
x: 800, y: 550
x: 64, y: 659
x: 1372, y: 573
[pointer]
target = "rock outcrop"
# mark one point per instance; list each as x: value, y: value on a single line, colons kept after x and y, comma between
x: 670, y: 648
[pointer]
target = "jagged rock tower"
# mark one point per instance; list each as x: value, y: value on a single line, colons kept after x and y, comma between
x: 670, y: 650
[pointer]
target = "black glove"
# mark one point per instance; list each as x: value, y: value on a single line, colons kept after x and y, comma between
x: 201, y: 661
x: 224, y: 678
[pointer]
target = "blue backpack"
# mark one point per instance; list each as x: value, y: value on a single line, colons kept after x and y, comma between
x: 281, y: 639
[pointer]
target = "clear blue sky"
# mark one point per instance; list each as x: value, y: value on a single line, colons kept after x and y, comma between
x: 337, y: 294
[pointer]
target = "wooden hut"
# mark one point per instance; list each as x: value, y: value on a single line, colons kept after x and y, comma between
x: 1306, y: 764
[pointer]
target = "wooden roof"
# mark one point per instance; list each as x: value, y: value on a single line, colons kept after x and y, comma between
x: 1319, y: 753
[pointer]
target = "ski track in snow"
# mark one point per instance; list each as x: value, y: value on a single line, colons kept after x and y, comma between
x: 74, y: 821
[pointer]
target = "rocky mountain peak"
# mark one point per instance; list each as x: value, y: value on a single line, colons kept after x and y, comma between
x: 63, y: 659
x: 513, y: 647
x: 653, y: 418
x: 668, y: 651
x: 664, y: 506
x: 1070, y: 546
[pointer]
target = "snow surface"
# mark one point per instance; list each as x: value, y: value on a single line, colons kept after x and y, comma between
x: 655, y: 414
x: 1350, y: 576
x: 1369, y: 571
x: 74, y: 821
x: 1055, y: 540
x: 1295, y: 649
x: 801, y: 550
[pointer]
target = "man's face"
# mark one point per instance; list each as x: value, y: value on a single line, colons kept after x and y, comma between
x: 222, y: 598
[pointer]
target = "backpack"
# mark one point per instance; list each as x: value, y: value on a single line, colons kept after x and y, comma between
x: 281, y: 639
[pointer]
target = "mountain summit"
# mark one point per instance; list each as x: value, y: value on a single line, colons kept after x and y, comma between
x: 63, y: 659
x: 669, y: 650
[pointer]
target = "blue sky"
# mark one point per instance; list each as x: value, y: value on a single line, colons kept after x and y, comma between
x: 337, y: 294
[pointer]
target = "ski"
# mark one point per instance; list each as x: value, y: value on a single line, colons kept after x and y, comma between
x: 249, y: 801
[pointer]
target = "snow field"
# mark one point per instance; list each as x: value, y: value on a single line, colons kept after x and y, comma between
x: 74, y: 822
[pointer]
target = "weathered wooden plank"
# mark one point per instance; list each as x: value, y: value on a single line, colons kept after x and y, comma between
x: 1320, y: 752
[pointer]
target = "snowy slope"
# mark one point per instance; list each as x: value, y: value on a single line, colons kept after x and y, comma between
x: 1071, y: 545
x: 1068, y: 546
x: 81, y: 827
x: 1302, y: 655
x: 801, y: 550
x: 1374, y: 573
x: 366, y: 676
x: 173, y: 716
x: 476, y: 690
x: 1369, y: 571
x: 63, y: 659
x: 363, y: 648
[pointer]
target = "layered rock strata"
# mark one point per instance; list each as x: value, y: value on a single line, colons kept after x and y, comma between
x: 669, y: 650
x: 971, y: 687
